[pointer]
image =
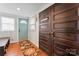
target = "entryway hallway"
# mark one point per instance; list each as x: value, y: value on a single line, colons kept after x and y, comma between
x: 14, y: 49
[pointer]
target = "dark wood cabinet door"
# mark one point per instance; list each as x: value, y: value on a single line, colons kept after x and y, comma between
x: 64, y: 30
x: 59, y: 29
x: 44, y: 31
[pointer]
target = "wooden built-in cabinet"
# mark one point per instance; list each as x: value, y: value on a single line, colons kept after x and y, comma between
x: 44, y: 42
x: 59, y: 29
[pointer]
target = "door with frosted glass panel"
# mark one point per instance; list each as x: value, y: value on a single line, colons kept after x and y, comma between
x: 23, y: 29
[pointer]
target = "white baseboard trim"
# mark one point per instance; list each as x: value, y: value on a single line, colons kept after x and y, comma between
x: 35, y: 43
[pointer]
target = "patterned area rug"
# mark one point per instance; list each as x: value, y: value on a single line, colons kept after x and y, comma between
x: 29, y: 49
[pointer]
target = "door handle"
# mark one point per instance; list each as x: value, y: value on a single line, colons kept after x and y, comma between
x: 51, y: 33
x: 19, y: 30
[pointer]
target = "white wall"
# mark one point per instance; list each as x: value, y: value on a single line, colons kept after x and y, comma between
x: 33, y: 35
x: 13, y: 35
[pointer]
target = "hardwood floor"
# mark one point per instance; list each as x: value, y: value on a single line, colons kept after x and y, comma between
x: 14, y: 50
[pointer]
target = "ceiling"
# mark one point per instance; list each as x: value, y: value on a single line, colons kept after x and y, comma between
x: 26, y: 9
